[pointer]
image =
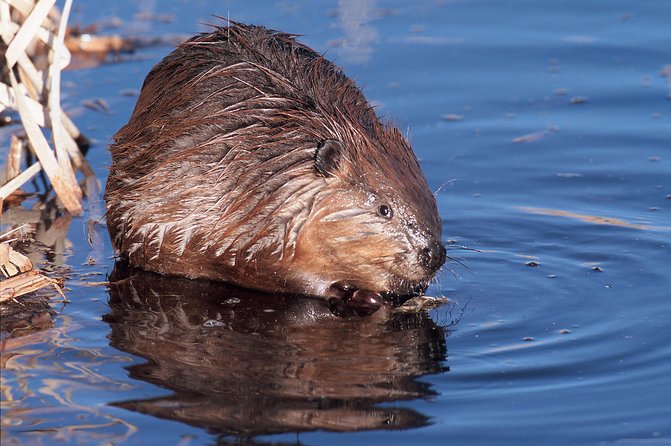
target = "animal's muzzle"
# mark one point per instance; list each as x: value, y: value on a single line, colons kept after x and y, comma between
x: 433, y: 256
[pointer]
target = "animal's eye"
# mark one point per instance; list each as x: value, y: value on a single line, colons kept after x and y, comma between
x: 385, y: 211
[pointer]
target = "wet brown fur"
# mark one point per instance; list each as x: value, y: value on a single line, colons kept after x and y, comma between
x: 214, y: 175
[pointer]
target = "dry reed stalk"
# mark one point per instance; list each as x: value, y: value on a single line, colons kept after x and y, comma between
x: 20, y: 179
x: 21, y: 277
x: 14, y: 158
x: 12, y: 262
x: 25, y: 283
x: 35, y: 95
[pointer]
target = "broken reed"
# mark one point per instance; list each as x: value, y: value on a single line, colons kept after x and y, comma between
x: 30, y: 29
x: 20, y: 276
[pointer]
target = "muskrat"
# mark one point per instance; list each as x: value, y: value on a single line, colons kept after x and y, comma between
x: 250, y: 158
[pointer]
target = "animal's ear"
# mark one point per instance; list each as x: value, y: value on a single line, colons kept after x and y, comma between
x: 329, y: 157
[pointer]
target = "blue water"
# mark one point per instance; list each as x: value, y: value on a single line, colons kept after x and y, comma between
x: 557, y: 154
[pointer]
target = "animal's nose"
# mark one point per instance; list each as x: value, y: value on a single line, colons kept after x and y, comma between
x: 433, y: 256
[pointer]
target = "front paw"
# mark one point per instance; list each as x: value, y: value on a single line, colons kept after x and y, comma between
x: 355, y: 302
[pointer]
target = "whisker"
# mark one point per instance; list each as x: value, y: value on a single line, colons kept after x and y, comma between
x: 456, y: 260
x: 437, y: 191
x: 454, y: 273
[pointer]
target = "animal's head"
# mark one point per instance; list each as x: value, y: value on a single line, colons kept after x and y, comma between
x: 375, y: 225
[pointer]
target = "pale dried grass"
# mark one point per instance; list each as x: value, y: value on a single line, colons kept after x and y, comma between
x: 31, y: 29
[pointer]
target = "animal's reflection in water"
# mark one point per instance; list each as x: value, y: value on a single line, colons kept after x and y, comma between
x: 245, y: 363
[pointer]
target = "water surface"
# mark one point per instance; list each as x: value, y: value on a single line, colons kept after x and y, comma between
x: 546, y: 128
